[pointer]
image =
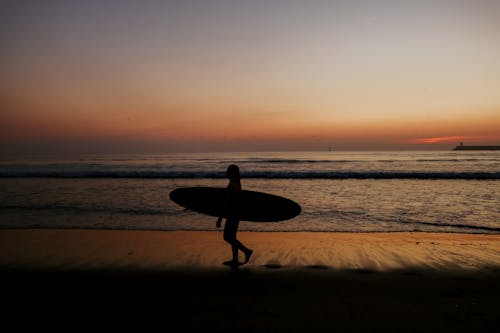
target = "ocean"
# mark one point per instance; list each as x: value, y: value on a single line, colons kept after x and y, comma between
x: 432, y: 191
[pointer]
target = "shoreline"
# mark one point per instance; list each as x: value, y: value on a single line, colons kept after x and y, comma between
x: 242, y: 230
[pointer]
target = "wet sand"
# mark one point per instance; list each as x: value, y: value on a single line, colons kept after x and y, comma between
x: 295, y: 282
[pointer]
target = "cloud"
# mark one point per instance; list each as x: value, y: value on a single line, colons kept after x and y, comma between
x: 444, y: 139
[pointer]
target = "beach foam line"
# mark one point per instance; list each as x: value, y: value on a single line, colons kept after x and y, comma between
x: 151, y: 174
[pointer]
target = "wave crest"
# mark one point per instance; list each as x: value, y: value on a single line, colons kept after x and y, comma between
x: 256, y: 174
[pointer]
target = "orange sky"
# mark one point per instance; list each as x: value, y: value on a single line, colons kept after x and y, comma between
x: 222, y: 75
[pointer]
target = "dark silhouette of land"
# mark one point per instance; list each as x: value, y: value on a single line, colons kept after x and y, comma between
x: 462, y: 147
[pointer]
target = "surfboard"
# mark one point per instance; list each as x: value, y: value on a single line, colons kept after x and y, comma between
x: 246, y: 205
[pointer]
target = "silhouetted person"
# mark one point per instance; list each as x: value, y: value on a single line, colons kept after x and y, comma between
x: 232, y: 220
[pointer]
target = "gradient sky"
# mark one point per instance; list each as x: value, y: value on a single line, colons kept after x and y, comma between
x: 155, y: 76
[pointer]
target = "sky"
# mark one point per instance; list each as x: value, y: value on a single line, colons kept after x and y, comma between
x: 160, y: 76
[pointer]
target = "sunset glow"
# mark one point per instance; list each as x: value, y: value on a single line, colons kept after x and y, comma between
x: 125, y: 76
x: 448, y: 139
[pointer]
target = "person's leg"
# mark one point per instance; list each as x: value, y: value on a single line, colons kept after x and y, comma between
x: 230, y: 230
x: 237, y: 245
x: 245, y: 250
x: 240, y: 246
x: 230, y: 236
x: 234, y: 248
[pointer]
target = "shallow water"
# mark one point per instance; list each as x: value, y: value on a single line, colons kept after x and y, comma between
x: 327, y: 204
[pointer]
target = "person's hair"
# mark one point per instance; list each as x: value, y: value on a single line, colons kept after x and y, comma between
x: 233, y: 173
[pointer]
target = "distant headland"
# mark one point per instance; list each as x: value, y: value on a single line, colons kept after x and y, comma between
x: 462, y: 147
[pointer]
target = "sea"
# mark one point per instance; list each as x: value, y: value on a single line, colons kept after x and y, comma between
x: 372, y: 191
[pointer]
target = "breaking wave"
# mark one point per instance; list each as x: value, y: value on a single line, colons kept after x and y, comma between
x: 149, y: 174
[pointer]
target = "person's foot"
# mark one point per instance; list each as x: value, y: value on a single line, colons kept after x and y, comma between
x: 248, y: 254
x: 232, y: 263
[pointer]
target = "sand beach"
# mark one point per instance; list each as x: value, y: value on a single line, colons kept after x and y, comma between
x: 294, y: 282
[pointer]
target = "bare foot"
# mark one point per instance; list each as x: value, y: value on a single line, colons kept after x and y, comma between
x: 248, y: 254
x: 232, y: 263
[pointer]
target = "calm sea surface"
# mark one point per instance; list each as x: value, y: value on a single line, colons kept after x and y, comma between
x: 443, y: 191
